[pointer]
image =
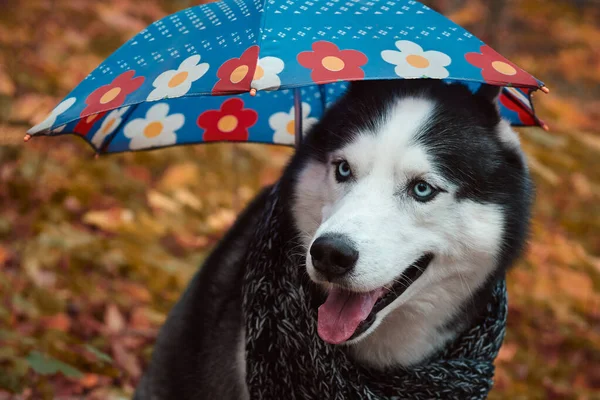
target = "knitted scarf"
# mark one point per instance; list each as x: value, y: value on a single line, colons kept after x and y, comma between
x: 287, y: 360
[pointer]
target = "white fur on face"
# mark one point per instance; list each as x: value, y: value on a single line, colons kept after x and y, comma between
x: 392, y: 230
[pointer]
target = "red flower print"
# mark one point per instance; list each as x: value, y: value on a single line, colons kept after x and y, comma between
x: 112, y: 95
x: 85, y: 124
x: 330, y: 64
x: 229, y: 123
x: 524, y: 116
x: 497, y: 69
x: 235, y: 75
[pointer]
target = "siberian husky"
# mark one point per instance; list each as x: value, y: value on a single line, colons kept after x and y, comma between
x: 412, y: 198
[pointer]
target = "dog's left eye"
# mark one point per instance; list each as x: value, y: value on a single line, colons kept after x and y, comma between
x: 423, y: 191
x: 343, y: 172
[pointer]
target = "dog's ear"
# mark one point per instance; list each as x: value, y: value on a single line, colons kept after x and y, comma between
x: 489, y: 92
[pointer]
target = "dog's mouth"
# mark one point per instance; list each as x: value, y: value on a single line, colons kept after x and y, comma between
x: 345, y: 315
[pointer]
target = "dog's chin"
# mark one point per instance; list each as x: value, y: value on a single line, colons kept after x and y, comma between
x: 347, y: 316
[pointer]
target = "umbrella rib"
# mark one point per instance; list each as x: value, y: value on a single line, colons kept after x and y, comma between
x: 323, y: 92
x: 524, y: 107
x: 298, y: 116
x: 104, y: 146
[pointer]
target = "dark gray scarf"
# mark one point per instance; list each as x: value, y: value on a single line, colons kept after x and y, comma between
x: 287, y: 360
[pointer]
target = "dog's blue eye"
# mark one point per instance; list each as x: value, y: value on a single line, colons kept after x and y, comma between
x: 423, y: 191
x: 343, y: 171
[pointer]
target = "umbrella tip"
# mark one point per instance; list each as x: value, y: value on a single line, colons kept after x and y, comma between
x: 26, y: 138
x: 96, y: 156
x: 545, y: 89
x: 252, y: 92
x: 545, y: 126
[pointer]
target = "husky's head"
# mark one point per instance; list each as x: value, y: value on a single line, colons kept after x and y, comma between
x: 412, y: 198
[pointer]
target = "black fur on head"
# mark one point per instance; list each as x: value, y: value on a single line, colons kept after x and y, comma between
x: 358, y: 108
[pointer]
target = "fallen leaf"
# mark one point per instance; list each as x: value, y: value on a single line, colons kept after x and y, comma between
x: 507, y: 352
x: 11, y: 135
x: 160, y: 201
x: 179, y: 175
x: 221, y: 219
x: 44, y: 364
x: 72, y: 204
x: 191, y: 241
x: 60, y: 322
x: 187, y: 198
x: 576, y: 284
x: 89, y: 381
x: 139, y: 173
x: 582, y: 185
x: 109, y: 220
x: 4, y: 255
x: 543, y: 171
x: 100, y: 356
x: 32, y: 108
x: 468, y: 14
x: 119, y: 20
x: 126, y: 360
x: 591, y: 140
x: 7, y: 87
x: 113, y: 319
x: 135, y: 291
x: 139, y: 319
x: 133, y: 341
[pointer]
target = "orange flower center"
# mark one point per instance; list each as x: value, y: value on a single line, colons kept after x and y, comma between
x: 504, y: 68
x: 227, y: 123
x: 417, y: 61
x: 291, y: 127
x: 239, y: 74
x: 333, y: 64
x: 108, y: 125
x: 259, y: 73
x: 178, y: 79
x: 153, y: 129
x: 91, y: 118
x: 110, y: 95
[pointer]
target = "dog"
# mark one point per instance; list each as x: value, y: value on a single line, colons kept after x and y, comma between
x: 410, y: 199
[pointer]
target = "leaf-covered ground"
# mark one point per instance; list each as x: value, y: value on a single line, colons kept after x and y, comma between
x: 93, y: 253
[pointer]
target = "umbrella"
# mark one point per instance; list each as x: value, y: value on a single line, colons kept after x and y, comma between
x: 264, y: 71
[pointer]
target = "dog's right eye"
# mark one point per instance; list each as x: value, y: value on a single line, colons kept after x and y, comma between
x: 343, y: 172
x: 423, y: 191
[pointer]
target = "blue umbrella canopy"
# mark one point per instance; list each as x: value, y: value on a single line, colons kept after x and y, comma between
x: 265, y: 71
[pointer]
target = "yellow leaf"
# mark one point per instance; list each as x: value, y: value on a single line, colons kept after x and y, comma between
x: 575, y: 284
x: 7, y: 87
x: 160, y: 201
x: 543, y: 171
x: 187, y: 198
x: 180, y: 175
x: 221, y: 220
x: 109, y: 220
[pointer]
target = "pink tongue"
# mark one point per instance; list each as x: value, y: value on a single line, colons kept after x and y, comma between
x: 342, y: 312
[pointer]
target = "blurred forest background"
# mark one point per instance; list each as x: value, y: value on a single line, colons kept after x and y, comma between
x: 93, y: 253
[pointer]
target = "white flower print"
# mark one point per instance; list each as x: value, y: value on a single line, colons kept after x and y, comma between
x: 157, y: 129
x: 110, y: 123
x: 47, y: 123
x: 283, y: 124
x: 265, y: 76
x: 177, y: 82
x: 412, y: 62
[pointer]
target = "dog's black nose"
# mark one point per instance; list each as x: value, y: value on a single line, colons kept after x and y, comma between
x: 333, y: 255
